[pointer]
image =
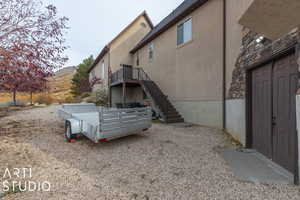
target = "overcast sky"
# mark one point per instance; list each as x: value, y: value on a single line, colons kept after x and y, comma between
x: 94, y: 23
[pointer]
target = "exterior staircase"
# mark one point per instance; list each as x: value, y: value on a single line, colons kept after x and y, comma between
x: 162, y: 105
x: 167, y: 110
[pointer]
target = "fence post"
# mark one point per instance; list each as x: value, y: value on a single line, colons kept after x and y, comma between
x: 120, y: 116
x: 100, y: 119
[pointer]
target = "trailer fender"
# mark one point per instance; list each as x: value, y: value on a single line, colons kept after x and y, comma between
x: 75, y: 125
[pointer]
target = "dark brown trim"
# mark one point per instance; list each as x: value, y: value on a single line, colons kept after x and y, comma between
x: 248, y: 95
x: 296, y: 178
x: 99, y: 57
x: 293, y: 48
x: 148, y: 20
x: 189, y: 10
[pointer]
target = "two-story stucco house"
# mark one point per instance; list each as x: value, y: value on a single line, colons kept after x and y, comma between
x: 227, y: 64
x: 117, y: 51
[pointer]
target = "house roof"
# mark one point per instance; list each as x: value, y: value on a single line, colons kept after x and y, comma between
x: 107, y: 47
x: 99, y: 57
x: 143, y: 14
x: 180, y: 12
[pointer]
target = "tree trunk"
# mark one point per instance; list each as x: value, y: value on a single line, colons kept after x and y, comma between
x: 31, y: 99
x: 14, y: 98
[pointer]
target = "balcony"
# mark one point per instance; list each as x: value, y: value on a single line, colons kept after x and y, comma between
x: 272, y: 18
x: 129, y: 75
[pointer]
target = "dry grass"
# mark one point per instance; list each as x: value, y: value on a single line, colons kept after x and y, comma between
x: 59, y: 91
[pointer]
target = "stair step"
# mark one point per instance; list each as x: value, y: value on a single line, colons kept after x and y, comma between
x: 162, y: 101
x: 173, y: 115
x: 175, y: 120
x: 171, y: 110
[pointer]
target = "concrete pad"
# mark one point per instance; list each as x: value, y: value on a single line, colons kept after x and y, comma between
x: 182, y: 125
x: 249, y: 165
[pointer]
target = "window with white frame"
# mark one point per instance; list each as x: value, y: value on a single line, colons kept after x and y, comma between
x: 103, y: 70
x: 151, y: 51
x: 184, y: 31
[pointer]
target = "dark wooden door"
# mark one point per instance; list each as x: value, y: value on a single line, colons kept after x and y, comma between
x: 128, y: 72
x: 284, y: 112
x: 262, y: 110
x: 274, y: 111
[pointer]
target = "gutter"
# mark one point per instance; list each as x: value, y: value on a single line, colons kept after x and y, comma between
x: 224, y: 63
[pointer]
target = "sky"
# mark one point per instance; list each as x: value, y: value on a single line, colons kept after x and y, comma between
x: 94, y: 23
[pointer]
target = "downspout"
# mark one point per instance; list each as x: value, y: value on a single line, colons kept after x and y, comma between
x: 224, y: 63
x: 296, y: 177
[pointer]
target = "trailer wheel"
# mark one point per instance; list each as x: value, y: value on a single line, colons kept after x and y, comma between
x: 68, y: 132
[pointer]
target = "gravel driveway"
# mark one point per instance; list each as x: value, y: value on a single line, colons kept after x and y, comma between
x: 165, y: 163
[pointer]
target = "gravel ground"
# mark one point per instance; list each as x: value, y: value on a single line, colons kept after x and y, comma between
x: 166, y: 162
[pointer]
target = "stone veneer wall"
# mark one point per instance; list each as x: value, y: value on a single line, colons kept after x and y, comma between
x: 251, y: 52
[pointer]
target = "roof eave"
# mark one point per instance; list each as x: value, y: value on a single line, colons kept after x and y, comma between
x: 190, y: 9
x: 99, y: 58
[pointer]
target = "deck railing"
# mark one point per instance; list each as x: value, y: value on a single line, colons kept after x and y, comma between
x: 128, y: 73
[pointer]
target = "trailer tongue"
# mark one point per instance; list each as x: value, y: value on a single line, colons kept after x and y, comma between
x: 101, y: 124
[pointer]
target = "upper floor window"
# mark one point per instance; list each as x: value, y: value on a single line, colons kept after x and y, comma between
x: 184, y: 31
x: 151, y: 52
x: 137, y: 59
x: 103, y: 70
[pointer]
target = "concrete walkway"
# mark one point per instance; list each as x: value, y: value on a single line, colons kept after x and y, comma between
x: 249, y: 165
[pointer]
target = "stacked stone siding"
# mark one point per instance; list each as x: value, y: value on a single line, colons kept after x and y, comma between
x: 252, y: 52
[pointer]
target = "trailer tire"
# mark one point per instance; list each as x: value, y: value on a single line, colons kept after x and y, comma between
x: 68, y: 132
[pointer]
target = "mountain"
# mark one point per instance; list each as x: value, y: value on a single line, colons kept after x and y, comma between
x: 60, y: 84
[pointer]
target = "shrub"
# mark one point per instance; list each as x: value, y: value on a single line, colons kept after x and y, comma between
x: 44, y: 99
x: 99, y: 97
x: 85, y: 95
x: 70, y: 99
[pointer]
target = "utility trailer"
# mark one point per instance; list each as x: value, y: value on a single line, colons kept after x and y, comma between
x: 101, y: 124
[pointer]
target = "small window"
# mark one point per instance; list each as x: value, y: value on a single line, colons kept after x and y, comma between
x: 184, y: 32
x: 151, y: 52
x: 137, y: 59
x: 103, y: 70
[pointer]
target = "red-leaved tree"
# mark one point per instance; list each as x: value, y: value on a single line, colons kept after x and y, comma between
x: 31, y: 44
x: 34, y: 83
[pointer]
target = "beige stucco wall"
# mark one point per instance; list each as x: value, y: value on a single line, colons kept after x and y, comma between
x: 120, y: 48
x: 192, y: 72
x: 97, y: 71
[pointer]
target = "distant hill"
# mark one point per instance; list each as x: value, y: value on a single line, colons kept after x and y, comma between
x: 65, y: 71
x: 60, y: 84
x: 59, y: 87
